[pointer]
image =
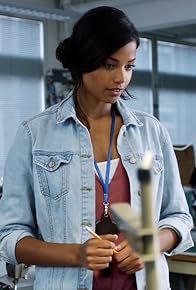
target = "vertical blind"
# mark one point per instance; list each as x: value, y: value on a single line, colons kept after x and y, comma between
x: 21, y: 77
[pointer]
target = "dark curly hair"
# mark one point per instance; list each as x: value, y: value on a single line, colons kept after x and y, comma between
x: 97, y: 34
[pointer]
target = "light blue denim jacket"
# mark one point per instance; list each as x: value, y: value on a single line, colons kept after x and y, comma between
x: 49, y: 187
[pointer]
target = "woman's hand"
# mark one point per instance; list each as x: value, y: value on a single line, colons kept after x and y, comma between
x: 127, y: 258
x: 96, y: 254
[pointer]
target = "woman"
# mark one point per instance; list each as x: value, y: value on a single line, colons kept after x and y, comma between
x: 69, y: 163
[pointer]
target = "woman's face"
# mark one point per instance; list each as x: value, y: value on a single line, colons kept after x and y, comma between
x: 107, y: 83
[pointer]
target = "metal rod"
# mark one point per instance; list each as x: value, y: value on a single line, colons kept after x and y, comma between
x: 150, y: 243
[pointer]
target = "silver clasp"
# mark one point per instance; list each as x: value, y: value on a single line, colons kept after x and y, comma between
x: 106, y: 206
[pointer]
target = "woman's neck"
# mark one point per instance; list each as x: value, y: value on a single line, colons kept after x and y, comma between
x: 93, y: 109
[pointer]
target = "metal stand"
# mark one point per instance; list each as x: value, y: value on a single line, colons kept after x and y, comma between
x: 150, y: 243
x: 141, y: 230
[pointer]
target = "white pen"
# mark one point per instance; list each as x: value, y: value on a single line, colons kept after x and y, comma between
x: 96, y: 236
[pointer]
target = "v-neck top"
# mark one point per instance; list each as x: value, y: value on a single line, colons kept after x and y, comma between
x: 102, y: 167
x: 119, y: 191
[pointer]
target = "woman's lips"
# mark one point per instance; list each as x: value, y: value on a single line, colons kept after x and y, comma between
x: 116, y: 91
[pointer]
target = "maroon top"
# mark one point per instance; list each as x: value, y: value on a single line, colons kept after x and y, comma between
x: 119, y: 191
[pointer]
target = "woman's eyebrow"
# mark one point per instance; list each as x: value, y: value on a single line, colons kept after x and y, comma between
x: 116, y: 60
x: 112, y: 58
x: 132, y: 60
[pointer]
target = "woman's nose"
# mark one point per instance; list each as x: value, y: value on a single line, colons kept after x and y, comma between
x: 120, y: 76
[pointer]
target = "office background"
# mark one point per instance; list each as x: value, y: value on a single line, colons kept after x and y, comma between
x: 164, y: 80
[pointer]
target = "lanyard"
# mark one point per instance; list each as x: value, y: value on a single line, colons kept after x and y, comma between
x: 105, y: 184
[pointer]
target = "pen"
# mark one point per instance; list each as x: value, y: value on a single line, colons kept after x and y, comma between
x: 97, y: 236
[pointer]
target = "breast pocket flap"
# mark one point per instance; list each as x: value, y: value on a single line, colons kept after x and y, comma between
x: 52, y: 162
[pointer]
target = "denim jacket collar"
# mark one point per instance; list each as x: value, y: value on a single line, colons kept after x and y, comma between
x: 129, y: 118
x: 68, y: 111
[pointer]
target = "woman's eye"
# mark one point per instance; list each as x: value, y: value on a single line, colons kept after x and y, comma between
x: 109, y: 66
x: 130, y: 66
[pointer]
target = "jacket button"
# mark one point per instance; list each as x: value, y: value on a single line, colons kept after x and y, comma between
x: 51, y: 163
x: 132, y: 160
x: 139, y: 193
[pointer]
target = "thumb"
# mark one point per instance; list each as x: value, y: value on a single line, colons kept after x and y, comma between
x: 109, y: 237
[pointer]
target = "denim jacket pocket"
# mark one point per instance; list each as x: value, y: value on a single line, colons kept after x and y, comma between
x: 156, y: 170
x: 132, y: 163
x: 53, y: 170
x: 157, y: 164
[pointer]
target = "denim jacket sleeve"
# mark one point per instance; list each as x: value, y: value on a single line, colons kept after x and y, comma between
x: 16, y: 214
x: 174, y: 211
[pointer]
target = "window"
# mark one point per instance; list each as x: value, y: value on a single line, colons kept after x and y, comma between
x: 21, y: 76
x: 177, y: 90
x: 141, y: 87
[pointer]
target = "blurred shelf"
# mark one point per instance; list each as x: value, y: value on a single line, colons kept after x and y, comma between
x: 184, y: 263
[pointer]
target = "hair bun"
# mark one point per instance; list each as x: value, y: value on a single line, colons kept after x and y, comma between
x: 63, y: 52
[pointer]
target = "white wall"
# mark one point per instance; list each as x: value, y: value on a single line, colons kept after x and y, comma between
x: 52, y: 38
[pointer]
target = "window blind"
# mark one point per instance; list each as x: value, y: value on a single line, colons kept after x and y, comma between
x: 21, y: 76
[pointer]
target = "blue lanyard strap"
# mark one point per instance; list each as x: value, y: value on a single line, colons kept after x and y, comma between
x: 105, y: 184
